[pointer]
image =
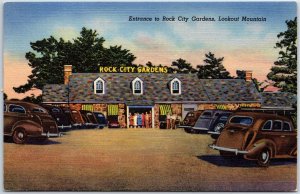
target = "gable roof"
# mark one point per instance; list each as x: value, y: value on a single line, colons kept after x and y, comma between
x: 156, y: 89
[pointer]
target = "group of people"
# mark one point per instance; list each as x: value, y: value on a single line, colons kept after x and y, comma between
x: 140, y: 120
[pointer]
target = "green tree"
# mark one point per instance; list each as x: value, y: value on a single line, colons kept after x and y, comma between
x: 33, y: 99
x: 213, y: 68
x: 182, y: 66
x: 86, y: 53
x: 284, y: 71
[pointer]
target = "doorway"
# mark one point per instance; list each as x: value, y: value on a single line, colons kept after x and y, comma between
x: 140, y: 117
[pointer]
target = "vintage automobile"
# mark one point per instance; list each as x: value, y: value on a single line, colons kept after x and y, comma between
x: 210, y: 120
x: 218, y: 125
x: 101, y: 119
x: 62, y: 120
x: 258, y: 136
x: 190, y: 119
x: 89, y: 118
x: 112, y: 122
x: 74, y: 116
x: 23, y: 120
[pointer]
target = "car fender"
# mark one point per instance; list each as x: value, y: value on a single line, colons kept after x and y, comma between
x: 30, y: 127
x: 258, y: 146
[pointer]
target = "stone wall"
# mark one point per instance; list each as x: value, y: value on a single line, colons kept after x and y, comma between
x: 228, y: 106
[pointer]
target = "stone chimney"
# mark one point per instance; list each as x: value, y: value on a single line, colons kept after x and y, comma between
x: 67, y: 73
x: 248, y: 77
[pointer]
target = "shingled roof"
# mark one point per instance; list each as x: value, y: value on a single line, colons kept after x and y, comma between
x: 156, y: 89
x: 278, y: 99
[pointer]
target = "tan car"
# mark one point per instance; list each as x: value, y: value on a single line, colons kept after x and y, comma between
x: 258, y: 136
x: 23, y: 120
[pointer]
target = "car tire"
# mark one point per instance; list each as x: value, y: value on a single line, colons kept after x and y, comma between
x: 264, y: 158
x: 19, y: 136
x: 219, y: 127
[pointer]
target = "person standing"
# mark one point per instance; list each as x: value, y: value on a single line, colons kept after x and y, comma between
x: 131, y: 121
x: 139, y: 120
x: 135, y: 120
x: 147, y: 120
x: 143, y: 120
x: 168, y: 120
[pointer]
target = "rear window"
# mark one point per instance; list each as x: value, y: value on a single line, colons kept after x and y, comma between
x: 224, y: 118
x: 38, y: 110
x: 241, y: 120
x: 16, y: 108
x: 55, y: 110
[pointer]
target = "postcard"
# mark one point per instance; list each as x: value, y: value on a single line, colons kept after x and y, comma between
x: 150, y: 96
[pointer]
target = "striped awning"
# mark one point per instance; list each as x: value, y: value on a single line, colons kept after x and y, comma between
x: 112, y: 109
x: 165, y: 109
x: 88, y: 107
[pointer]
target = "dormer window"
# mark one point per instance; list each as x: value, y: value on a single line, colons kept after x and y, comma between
x: 175, y: 86
x: 99, y: 86
x: 137, y: 86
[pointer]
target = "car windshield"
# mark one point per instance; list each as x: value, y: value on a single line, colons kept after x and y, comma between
x: 241, y: 120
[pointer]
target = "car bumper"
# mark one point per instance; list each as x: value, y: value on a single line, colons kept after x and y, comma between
x: 51, y: 134
x: 65, y: 126
x: 183, y: 126
x: 233, y: 150
x: 200, y: 129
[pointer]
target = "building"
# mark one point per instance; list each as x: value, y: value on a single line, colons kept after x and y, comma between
x: 117, y: 95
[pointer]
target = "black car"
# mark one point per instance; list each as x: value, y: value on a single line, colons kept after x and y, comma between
x: 211, y: 120
x: 89, y: 118
x: 219, y: 123
x: 101, y: 119
x: 62, y: 120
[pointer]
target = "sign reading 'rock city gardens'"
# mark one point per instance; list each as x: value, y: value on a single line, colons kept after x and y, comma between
x: 128, y: 69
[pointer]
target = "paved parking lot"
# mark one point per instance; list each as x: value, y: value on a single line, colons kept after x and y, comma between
x: 136, y: 160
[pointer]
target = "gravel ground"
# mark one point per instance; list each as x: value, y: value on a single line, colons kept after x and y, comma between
x: 136, y: 160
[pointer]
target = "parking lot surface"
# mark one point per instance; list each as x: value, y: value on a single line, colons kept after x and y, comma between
x: 137, y: 160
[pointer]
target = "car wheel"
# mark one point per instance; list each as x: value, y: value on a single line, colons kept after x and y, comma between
x: 219, y: 127
x: 264, y: 158
x: 19, y: 136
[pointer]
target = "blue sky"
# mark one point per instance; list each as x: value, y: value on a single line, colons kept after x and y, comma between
x: 245, y: 45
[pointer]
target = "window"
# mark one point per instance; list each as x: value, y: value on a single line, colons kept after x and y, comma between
x: 16, y: 109
x: 55, y: 110
x: 241, y: 120
x: 286, y: 126
x: 99, y: 86
x: 137, y: 86
x: 223, y: 118
x: 4, y: 108
x: 176, y: 86
x: 267, y: 125
x: 39, y: 110
x: 277, y: 125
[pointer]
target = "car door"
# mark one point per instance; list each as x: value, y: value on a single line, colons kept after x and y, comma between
x: 13, y: 114
x: 288, y: 138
